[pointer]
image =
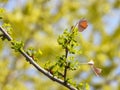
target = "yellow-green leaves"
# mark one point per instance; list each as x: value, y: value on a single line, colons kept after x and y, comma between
x: 17, y: 45
x: 35, y: 54
x: 1, y: 12
x: 68, y: 40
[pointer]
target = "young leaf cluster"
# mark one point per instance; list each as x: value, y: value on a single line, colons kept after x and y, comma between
x: 35, y: 54
x: 17, y: 45
x: 68, y: 40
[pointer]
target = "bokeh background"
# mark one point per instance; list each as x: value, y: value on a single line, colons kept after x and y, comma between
x: 38, y: 23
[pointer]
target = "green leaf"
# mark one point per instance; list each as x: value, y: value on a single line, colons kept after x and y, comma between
x: 17, y: 45
x: 35, y: 54
x: 8, y: 28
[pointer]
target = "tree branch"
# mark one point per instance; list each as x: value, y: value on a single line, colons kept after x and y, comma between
x: 42, y: 70
x: 6, y: 34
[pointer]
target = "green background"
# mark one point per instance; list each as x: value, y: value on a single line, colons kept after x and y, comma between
x: 38, y: 23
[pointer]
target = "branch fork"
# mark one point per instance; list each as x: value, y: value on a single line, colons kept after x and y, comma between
x: 39, y: 68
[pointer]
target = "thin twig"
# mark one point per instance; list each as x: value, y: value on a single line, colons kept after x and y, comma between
x: 42, y: 70
x: 66, y: 67
x: 66, y: 54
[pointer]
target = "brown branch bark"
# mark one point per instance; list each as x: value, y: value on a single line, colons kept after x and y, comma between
x: 66, y: 67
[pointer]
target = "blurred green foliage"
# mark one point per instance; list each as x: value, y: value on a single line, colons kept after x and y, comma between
x: 39, y: 22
